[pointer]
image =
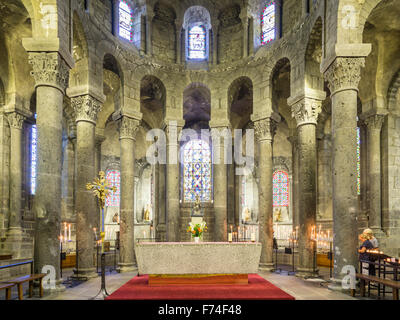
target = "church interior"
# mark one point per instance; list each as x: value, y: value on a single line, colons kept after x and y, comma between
x: 162, y: 143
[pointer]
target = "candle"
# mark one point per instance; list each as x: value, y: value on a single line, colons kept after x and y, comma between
x: 65, y: 231
x: 95, y: 233
x: 230, y: 236
x: 253, y: 236
x: 69, y: 232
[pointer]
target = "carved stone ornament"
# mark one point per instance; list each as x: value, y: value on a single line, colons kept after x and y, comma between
x: 86, y: 108
x: 265, y: 129
x: 49, y: 69
x: 16, y: 120
x: 128, y: 128
x: 375, y: 122
x: 306, y: 111
x: 344, y: 74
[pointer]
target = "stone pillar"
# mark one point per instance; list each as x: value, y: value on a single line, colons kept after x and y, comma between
x: 127, y: 137
x: 265, y: 131
x: 221, y: 194
x: 87, y: 212
x: 172, y: 183
x: 178, y: 28
x: 99, y: 139
x: 50, y: 72
x: 343, y: 76
x: 306, y: 111
x: 374, y: 124
x: 245, y: 23
x: 295, y: 180
x: 16, y: 122
x: 149, y: 32
x: 161, y: 228
x: 215, y: 44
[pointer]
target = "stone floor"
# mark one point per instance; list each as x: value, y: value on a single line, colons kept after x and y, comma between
x: 298, y: 288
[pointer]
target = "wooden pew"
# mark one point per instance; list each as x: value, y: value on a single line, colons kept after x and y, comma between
x: 364, y: 279
x: 7, y: 287
x: 28, y: 278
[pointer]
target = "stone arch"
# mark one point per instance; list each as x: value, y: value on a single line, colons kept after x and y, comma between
x: 153, y: 99
x: 313, y: 57
x: 240, y: 101
x: 393, y: 93
x: 283, y: 65
x: 197, y: 105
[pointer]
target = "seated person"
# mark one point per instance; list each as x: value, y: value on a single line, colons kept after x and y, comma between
x: 364, y: 255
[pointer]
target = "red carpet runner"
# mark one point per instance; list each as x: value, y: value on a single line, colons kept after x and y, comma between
x: 257, y: 289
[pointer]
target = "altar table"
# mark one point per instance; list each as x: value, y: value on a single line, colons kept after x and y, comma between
x: 198, y: 263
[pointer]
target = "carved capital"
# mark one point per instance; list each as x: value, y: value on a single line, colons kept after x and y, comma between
x: 128, y: 128
x: 265, y: 129
x: 344, y: 74
x: 306, y: 111
x: 49, y: 69
x: 375, y: 122
x: 16, y: 120
x: 86, y: 108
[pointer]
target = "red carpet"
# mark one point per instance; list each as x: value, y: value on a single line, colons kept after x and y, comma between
x: 257, y: 289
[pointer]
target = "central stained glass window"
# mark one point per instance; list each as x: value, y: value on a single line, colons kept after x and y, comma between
x: 125, y: 20
x: 197, y: 171
x: 268, y: 23
x: 280, y: 181
x: 197, y: 43
x: 114, y: 178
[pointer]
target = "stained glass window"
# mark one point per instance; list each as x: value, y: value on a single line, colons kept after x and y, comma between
x: 33, y: 157
x: 197, y: 171
x: 280, y: 187
x: 113, y: 177
x: 197, y: 42
x: 358, y: 162
x: 268, y: 23
x: 125, y: 20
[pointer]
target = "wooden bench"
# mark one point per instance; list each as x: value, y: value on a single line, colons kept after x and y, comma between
x: 28, y: 278
x: 395, y: 285
x: 7, y: 287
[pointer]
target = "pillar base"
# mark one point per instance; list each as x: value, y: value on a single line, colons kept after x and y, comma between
x: 126, y: 267
x: 88, y: 273
x: 14, y: 239
x: 306, y: 273
x: 266, y: 267
x: 336, y: 285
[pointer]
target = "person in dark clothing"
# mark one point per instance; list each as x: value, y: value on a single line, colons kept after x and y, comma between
x: 364, y: 255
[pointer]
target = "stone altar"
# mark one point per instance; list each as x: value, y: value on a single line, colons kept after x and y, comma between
x: 190, y: 260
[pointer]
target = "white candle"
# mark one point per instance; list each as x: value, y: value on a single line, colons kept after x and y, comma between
x: 253, y: 236
x: 69, y: 232
x: 230, y: 236
x: 65, y: 231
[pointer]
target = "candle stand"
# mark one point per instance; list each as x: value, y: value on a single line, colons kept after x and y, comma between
x: 103, y: 291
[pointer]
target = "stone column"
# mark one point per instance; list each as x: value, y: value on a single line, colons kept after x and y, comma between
x: 16, y: 122
x: 306, y: 111
x: 99, y: 139
x: 221, y: 194
x: 50, y: 72
x: 343, y: 76
x: 245, y: 23
x: 265, y: 131
x: 215, y: 44
x: 149, y: 32
x: 87, y: 212
x: 161, y: 228
x: 295, y: 180
x: 172, y: 183
x: 178, y: 28
x: 374, y: 124
x: 127, y: 137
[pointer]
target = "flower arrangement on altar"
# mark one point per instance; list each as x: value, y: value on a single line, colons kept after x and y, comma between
x: 197, y: 229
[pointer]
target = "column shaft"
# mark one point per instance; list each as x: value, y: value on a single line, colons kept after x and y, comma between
x: 343, y: 76
x: 220, y: 198
x: 128, y: 129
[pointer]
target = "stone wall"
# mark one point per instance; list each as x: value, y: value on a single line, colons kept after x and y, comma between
x: 230, y: 43
x: 291, y: 15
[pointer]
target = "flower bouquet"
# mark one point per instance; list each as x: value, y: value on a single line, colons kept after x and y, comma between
x: 197, y: 230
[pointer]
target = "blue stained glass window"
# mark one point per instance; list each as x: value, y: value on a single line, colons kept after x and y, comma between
x: 33, y: 158
x: 197, y: 43
x: 125, y: 20
x: 358, y: 162
x: 197, y: 171
x: 268, y: 23
x: 280, y: 185
x: 114, y: 178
